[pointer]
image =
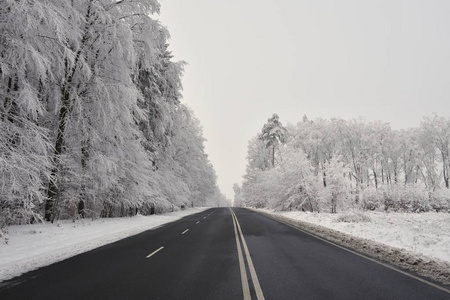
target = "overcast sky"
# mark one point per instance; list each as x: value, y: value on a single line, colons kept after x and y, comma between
x: 382, y: 60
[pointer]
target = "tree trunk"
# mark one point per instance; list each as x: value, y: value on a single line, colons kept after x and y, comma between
x: 404, y: 169
x: 53, y: 189
x: 273, y: 156
x: 445, y: 170
x: 333, y: 203
x: 357, y: 191
x: 375, y: 178
x: 84, y: 160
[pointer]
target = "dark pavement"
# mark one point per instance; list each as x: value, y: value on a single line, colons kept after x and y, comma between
x: 203, y: 263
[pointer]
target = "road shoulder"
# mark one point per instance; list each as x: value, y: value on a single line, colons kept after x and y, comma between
x: 35, y: 246
x: 438, y: 272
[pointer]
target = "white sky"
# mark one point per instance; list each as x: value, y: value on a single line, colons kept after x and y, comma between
x: 382, y: 60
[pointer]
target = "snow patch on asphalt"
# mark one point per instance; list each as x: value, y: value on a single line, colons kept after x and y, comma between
x: 416, y: 242
x: 34, y: 246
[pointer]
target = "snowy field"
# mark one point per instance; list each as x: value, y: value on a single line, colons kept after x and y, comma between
x: 34, y: 246
x: 425, y: 233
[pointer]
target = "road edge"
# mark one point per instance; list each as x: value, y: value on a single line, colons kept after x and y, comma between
x: 12, y: 270
x: 435, y: 271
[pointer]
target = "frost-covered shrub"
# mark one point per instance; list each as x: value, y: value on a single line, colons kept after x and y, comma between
x: 5, y: 220
x: 372, y: 198
x: 5, y: 217
x: 261, y: 188
x: 353, y: 217
x: 440, y: 200
x: 331, y: 201
x: 324, y: 199
x: 338, y: 185
x: 4, y: 235
x: 301, y: 196
x: 407, y: 198
x: 297, y: 187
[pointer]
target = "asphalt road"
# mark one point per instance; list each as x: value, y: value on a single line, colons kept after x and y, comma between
x: 204, y: 256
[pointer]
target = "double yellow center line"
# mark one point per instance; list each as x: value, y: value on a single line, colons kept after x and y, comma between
x: 245, y: 286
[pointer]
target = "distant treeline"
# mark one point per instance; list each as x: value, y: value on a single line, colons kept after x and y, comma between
x: 331, y: 165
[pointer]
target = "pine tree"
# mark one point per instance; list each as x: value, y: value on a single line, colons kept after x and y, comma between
x: 273, y: 134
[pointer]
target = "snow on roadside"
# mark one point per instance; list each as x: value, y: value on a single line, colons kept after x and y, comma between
x: 425, y: 233
x: 417, y: 242
x: 34, y: 246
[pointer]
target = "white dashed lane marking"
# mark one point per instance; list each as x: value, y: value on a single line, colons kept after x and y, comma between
x: 154, y: 252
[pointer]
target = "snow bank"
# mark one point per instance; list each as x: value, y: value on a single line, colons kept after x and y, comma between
x: 34, y: 246
x: 418, y: 242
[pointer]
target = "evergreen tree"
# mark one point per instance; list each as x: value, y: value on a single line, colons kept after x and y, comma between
x: 273, y: 134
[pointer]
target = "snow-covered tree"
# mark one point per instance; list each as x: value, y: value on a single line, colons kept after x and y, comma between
x: 238, y: 200
x: 359, y: 164
x: 273, y: 134
x: 97, y: 95
x: 35, y: 44
x: 298, y: 186
x: 437, y: 129
x: 90, y: 113
x: 338, y: 184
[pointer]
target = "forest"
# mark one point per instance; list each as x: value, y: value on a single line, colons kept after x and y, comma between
x: 339, y: 165
x: 91, y: 123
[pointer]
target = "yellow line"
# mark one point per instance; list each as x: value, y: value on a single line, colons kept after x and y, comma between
x: 363, y: 256
x: 154, y: 252
x: 258, y: 290
x: 245, y: 288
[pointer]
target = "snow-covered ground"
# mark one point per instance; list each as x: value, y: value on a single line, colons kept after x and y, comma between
x: 425, y: 233
x: 34, y: 246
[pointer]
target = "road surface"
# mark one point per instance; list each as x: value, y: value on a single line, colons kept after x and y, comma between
x: 219, y: 254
